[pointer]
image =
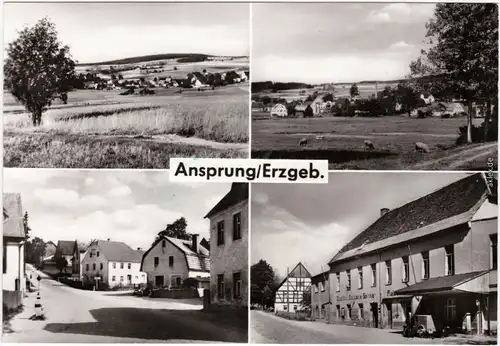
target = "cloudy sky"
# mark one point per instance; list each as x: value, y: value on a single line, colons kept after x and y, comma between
x: 311, y: 222
x: 104, y: 31
x: 336, y: 42
x: 128, y: 206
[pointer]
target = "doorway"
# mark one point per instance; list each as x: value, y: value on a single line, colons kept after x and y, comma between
x: 389, y: 312
x: 374, y: 308
x: 159, y: 281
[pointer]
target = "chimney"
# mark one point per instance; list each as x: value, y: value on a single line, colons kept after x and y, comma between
x: 384, y: 211
x: 194, y: 238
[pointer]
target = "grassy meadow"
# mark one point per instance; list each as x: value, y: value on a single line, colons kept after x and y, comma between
x: 341, y: 142
x: 102, y: 129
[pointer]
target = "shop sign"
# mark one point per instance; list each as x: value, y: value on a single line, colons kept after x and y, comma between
x: 356, y: 297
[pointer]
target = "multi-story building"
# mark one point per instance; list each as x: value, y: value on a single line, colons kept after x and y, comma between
x: 113, y: 263
x: 436, y: 255
x: 68, y: 249
x: 291, y: 293
x: 229, y: 248
x: 170, y: 261
x: 320, y: 296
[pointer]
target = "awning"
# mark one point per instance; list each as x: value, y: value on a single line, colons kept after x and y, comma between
x: 473, y: 282
x: 397, y: 298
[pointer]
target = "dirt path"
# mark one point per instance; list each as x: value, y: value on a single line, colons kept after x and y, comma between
x: 461, y: 158
x: 176, y: 139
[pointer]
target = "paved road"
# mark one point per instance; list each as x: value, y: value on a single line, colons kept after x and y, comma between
x: 74, y: 315
x: 268, y: 328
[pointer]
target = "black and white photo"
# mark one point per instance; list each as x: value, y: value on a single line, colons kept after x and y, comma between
x: 376, y: 258
x: 376, y: 86
x: 124, y: 85
x: 123, y: 257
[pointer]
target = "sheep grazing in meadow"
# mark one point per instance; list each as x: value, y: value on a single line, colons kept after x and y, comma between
x: 422, y: 147
x: 303, y: 142
x: 369, y: 145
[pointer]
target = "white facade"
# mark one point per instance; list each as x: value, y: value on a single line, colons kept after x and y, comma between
x: 14, y: 266
x: 290, y: 295
x: 125, y: 274
x: 279, y: 110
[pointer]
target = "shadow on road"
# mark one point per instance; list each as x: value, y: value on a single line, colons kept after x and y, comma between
x: 152, y: 324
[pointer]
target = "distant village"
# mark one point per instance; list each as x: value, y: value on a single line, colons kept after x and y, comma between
x: 390, y: 101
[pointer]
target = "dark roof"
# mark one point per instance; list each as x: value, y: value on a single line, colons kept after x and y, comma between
x: 442, y: 283
x: 237, y: 194
x: 118, y: 251
x: 66, y: 247
x: 257, y: 104
x: 299, y: 272
x: 451, y: 200
x: 205, y: 243
x: 321, y: 277
x: 13, y: 225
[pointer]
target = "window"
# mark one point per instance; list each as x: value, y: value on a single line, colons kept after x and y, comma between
x: 237, y: 285
x: 494, y: 254
x: 295, y: 307
x: 425, y: 265
x: 113, y: 278
x: 97, y: 253
x: 449, y: 264
x: 338, y: 311
x: 121, y: 265
x: 163, y: 243
x: 388, y: 272
x: 237, y: 226
x: 129, y: 266
x: 4, y: 260
x: 220, y: 233
x: 114, y: 265
x: 87, y: 267
x: 451, y: 310
x: 157, y: 261
x: 93, y: 266
x: 170, y: 261
x: 121, y: 278
x: 406, y: 269
x: 284, y: 307
x: 374, y: 274
x: 348, y: 287
x: 338, y: 282
x: 361, y: 311
x: 101, y: 266
x: 91, y: 254
x: 360, y: 277
x: 220, y: 286
x: 349, y: 311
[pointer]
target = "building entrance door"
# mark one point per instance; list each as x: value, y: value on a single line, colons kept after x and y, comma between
x: 159, y: 281
x: 374, y: 308
x: 389, y: 317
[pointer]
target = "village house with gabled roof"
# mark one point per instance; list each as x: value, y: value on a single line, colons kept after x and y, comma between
x: 229, y: 248
x: 289, y: 296
x: 113, y: 263
x: 14, y: 237
x: 436, y: 255
x: 170, y: 261
x: 68, y: 249
x: 320, y: 296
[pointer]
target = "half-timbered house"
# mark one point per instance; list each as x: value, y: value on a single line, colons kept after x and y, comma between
x: 291, y: 294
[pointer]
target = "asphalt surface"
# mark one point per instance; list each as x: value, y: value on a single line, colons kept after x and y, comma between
x: 74, y: 315
x: 268, y: 328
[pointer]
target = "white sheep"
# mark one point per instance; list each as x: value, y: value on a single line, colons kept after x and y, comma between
x: 422, y: 147
x: 319, y: 137
x: 369, y: 145
x: 303, y: 141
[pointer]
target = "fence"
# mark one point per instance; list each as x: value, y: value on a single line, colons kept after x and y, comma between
x: 11, y: 299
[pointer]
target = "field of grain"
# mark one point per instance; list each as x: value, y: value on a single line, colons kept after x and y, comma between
x: 341, y: 140
x: 102, y: 129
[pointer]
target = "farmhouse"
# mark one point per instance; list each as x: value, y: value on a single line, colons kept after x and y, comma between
x: 436, y: 255
x: 68, y: 249
x: 229, y: 248
x: 257, y: 106
x: 279, y: 110
x: 290, y: 293
x: 170, y: 261
x: 113, y: 263
x: 13, y: 278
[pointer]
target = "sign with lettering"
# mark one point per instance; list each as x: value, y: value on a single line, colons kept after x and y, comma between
x: 356, y: 297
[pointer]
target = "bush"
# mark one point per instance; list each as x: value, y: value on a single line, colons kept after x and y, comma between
x: 477, y: 134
